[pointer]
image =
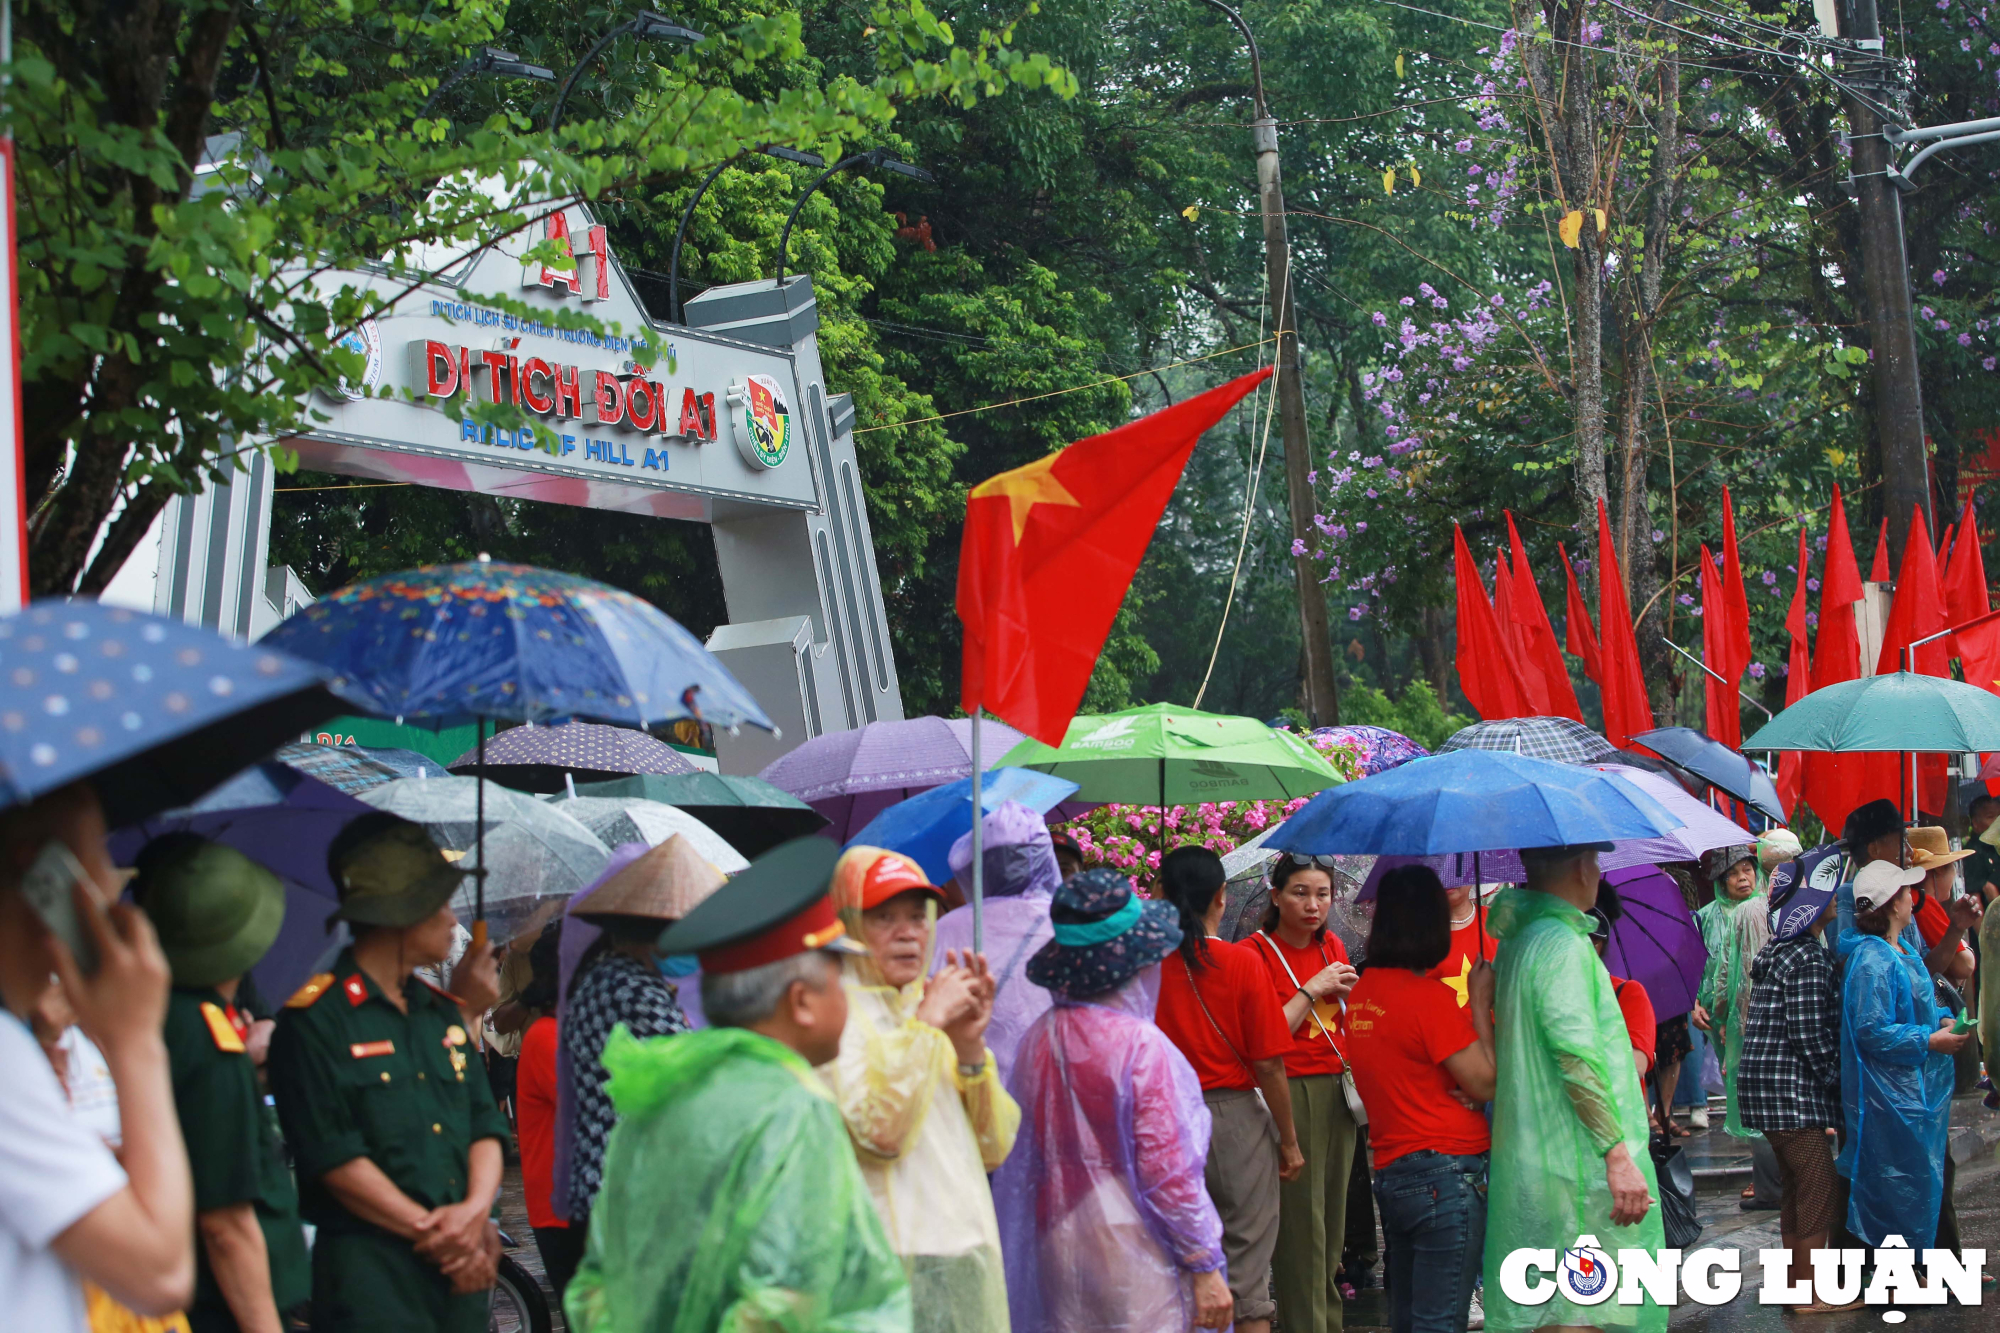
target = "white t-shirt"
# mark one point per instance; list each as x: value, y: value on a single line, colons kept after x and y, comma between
x: 53, y: 1171
x: 92, y: 1094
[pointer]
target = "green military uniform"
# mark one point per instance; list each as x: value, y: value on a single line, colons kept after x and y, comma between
x: 357, y: 1077
x: 233, y: 1148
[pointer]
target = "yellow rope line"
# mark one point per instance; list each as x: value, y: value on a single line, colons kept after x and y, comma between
x: 1057, y: 393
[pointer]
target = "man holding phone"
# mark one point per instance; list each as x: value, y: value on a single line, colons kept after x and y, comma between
x: 217, y: 912
x: 390, y: 1117
x: 68, y: 1210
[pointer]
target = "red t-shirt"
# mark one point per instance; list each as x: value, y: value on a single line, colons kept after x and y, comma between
x: 1311, y: 1052
x: 1401, y: 1028
x: 1239, y: 996
x: 535, y: 1119
x: 1470, y: 941
x: 1641, y: 1027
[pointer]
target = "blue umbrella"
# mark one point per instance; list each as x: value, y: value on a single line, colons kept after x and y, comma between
x: 356, y: 768
x: 1472, y: 801
x: 284, y: 821
x: 153, y: 712
x: 453, y: 644
x: 925, y: 826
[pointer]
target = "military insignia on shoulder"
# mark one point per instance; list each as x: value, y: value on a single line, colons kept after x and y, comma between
x: 304, y: 996
x: 221, y: 1030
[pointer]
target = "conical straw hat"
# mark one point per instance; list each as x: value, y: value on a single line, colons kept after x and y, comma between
x: 665, y: 884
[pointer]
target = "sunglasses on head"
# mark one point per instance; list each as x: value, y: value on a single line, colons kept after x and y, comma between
x: 1301, y: 860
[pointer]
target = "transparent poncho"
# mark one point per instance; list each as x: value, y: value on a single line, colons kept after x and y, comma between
x: 926, y: 1136
x: 1567, y: 1093
x: 1021, y: 878
x: 1744, y: 933
x: 1895, y: 1092
x: 1104, y: 1218
x: 731, y: 1200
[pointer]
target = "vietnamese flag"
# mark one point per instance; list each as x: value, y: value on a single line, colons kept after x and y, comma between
x: 1579, y: 635
x: 1537, y: 635
x: 1627, y: 711
x: 1835, y: 782
x: 1798, y: 683
x: 1049, y: 550
x: 1486, y: 671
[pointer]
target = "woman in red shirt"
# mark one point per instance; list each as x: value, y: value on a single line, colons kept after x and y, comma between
x: 1308, y: 971
x: 535, y: 1112
x: 1470, y: 939
x: 1217, y: 1007
x: 1419, y: 1058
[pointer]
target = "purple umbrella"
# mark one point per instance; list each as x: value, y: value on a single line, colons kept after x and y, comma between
x: 1656, y: 943
x: 540, y: 759
x: 284, y: 821
x: 1377, y: 748
x: 853, y: 776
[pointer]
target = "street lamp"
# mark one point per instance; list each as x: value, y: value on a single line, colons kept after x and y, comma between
x: 1321, y: 689
x: 874, y: 157
x: 650, y: 26
x: 489, y: 60
x: 687, y: 214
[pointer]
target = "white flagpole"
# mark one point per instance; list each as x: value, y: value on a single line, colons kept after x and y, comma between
x: 13, y: 466
x: 978, y: 847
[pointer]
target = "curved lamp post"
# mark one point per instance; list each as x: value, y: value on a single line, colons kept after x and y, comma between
x: 489, y: 60
x: 874, y: 157
x: 650, y: 26
x: 687, y: 214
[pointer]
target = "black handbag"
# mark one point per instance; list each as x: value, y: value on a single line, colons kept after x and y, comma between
x: 1676, y: 1177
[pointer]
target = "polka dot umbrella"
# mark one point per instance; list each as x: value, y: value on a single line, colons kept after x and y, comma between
x: 153, y: 712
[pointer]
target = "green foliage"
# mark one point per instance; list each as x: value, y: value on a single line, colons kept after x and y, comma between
x: 1415, y: 712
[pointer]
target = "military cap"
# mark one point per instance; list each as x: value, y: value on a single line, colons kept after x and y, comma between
x: 389, y: 872
x: 215, y: 910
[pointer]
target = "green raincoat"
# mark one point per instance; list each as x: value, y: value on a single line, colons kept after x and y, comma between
x: 731, y: 1200
x: 1567, y: 1093
x: 1733, y: 938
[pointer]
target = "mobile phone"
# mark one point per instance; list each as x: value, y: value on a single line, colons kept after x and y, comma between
x: 1964, y: 1024
x: 48, y: 887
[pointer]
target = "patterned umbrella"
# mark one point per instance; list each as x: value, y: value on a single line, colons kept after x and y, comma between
x: 539, y: 759
x: 1377, y: 748
x: 1554, y: 738
x: 355, y: 768
x: 154, y: 712
x: 853, y: 776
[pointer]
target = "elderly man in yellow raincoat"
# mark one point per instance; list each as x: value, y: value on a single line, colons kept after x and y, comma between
x: 921, y: 1094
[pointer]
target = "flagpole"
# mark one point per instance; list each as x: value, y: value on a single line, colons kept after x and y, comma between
x: 978, y: 845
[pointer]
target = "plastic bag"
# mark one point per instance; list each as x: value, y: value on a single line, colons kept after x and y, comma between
x: 731, y: 1199
x: 1103, y: 1214
x: 1896, y: 1093
x: 1678, y: 1221
x: 1567, y: 1093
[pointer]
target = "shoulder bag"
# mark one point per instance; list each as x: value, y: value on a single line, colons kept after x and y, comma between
x: 1348, y: 1092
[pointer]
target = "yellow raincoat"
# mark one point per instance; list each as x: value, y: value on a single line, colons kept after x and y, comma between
x: 926, y: 1138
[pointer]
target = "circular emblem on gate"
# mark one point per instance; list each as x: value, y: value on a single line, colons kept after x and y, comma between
x: 364, y: 340
x: 759, y: 421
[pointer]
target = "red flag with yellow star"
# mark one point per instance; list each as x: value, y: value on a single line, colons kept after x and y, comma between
x: 1049, y: 550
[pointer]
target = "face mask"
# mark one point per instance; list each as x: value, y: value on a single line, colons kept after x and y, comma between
x: 678, y: 965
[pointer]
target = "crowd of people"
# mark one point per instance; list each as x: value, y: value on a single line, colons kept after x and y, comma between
x: 806, y: 1098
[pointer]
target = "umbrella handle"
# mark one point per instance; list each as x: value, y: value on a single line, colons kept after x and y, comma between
x: 478, y: 935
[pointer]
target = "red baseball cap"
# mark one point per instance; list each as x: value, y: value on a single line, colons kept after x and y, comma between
x: 866, y: 877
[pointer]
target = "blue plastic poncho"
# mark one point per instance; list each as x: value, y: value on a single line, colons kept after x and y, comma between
x: 1021, y: 880
x: 1896, y: 1093
x: 731, y: 1199
x: 1104, y: 1218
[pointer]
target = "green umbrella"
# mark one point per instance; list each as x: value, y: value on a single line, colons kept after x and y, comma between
x: 1901, y: 711
x: 1160, y: 754
x: 751, y: 815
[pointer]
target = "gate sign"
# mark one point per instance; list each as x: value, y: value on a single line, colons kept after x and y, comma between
x: 631, y: 419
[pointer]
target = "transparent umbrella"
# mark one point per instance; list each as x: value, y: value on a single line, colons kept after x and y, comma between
x: 534, y: 850
x: 622, y: 819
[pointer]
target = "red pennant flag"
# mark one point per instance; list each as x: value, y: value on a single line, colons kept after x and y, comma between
x: 1725, y: 713
x: 1579, y: 635
x: 1834, y: 782
x: 1486, y: 671
x: 1049, y: 550
x: 1798, y: 683
x: 1531, y: 621
x: 1510, y: 633
x: 1626, y: 708
x: 1965, y: 596
x: 1735, y: 600
x: 1944, y: 544
x: 1916, y: 613
x: 1879, y: 571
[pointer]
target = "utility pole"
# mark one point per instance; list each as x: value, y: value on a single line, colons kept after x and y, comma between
x: 1321, y: 690
x: 1899, y: 399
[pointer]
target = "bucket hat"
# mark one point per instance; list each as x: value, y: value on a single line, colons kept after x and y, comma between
x: 1802, y: 887
x: 1719, y: 861
x: 663, y: 884
x: 389, y: 872
x: 1105, y: 935
x: 215, y: 910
